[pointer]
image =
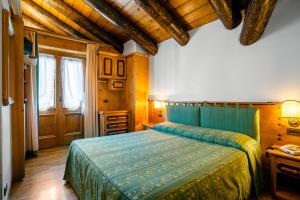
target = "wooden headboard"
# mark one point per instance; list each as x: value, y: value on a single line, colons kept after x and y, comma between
x: 273, y: 128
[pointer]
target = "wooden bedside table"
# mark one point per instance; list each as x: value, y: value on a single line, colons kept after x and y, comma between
x: 148, y: 125
x: 285, y: 174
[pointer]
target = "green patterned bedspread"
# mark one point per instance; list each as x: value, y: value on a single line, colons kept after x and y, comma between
x: 174, y: 161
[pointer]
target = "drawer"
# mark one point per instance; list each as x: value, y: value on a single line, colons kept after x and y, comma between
x: 117, y: 131
x: 117, y: 125
x: 116, y: 118
x: 289, y: 167
x: 114, y: 122
x: 116, y: 84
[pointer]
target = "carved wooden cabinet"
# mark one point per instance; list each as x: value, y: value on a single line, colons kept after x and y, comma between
x: 113, y: 122
x: 111, y: 66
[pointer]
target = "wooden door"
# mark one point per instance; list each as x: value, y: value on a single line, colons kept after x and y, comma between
x: 48, y: 129
x: 106, y: 66
x: 70, y: 122
x: 71, y: 126
x: 120, y: 71
x: 58, y: 125
x: 48, y: 119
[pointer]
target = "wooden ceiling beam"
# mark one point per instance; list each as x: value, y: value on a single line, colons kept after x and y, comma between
x: 47, y: 33
x: 85, y: 23
x: 102, y: 46
x: 228, y: 12
x: 60, y: 43
x: 33, y: 8
x: 257, y: 17
x: 104, y: 8
x: 158, y: 11
x: 30, y: 21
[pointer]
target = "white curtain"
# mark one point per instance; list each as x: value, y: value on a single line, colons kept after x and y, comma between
x: 72, y: 83
x: 31, y: 109
x: 91, y: 107
x: 47, y: 68
x: 32, y: 136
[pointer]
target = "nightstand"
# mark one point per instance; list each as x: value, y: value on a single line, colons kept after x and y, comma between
x: 148, y: 125
x: 285, y: 174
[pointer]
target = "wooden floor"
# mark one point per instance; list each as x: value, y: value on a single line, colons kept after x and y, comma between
x: 44, y: 178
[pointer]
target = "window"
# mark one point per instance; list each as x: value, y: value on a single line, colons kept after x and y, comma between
x: 47, y: 68
x: 72, y: 83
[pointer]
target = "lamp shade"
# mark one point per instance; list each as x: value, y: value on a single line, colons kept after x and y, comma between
x: 158, y: 104
x: 290, y: 109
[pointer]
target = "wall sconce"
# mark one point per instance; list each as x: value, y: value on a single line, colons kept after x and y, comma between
x: 291, y: 109
x: 158, y: 104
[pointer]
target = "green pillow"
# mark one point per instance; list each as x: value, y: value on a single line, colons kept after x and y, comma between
x: 241, y: 120
x: 189, y: 115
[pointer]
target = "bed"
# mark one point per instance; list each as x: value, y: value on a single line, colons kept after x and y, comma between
x: 171, y: 161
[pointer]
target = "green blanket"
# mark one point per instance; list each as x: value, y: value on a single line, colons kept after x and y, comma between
x: 171, y: 162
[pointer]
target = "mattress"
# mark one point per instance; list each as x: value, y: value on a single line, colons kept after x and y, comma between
x: 172, y: 161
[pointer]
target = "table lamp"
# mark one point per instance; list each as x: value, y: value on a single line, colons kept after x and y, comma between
x: 291, y: 109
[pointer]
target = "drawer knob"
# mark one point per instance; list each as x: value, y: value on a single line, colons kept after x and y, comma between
x: 288, y: 169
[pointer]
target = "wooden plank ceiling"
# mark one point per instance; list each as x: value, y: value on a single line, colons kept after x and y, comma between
x: 189, y: 14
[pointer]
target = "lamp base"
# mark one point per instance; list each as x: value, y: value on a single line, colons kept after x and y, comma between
x: 294, y: 122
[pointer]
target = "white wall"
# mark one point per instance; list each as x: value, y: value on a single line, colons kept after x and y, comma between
x: 5, y: 127
x: 6, y: 149
x: 214, y: 66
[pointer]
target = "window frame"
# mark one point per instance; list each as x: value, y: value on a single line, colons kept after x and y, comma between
x: 58, y: 55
